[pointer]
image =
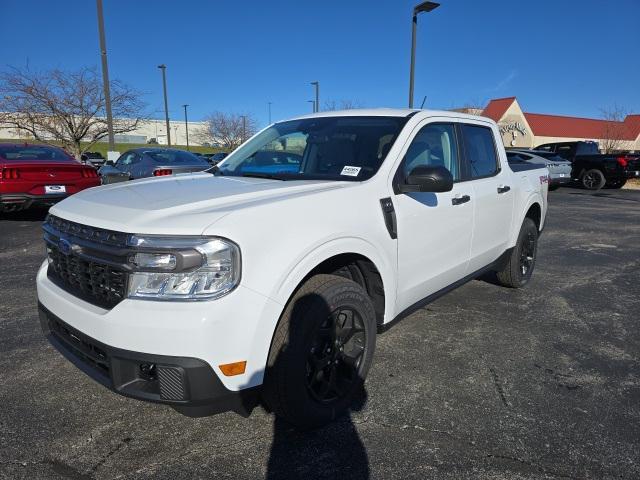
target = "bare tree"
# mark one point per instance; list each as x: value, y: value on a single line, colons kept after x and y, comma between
x: 66, y: 107
x: 330, y: 105
x: 227, y: 129
x: 614, y: 131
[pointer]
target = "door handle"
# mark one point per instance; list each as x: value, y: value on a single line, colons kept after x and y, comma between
x: 504, y: 188
x: 460, y: 200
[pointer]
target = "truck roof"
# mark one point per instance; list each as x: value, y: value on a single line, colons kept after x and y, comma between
x: 392, y: 112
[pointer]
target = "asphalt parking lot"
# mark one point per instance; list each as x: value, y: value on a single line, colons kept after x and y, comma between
x: 485, y: 383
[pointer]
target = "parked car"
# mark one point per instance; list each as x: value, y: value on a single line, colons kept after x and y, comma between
x: 93, y: 158
x: 39, y: 175
x: 241, y: 284
x: 559, y: 168
x: 215, y: 158
x: 595, y: 170
x: 151, y: 162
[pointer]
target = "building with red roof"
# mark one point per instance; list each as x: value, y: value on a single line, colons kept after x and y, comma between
x: 528, y: 130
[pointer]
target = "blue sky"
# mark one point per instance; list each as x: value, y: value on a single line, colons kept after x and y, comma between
x: 566, y: 57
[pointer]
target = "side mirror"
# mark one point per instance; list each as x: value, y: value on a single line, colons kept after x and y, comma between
x: 428, y: 178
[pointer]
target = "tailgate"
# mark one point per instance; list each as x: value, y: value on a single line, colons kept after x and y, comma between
x: 633, y: 164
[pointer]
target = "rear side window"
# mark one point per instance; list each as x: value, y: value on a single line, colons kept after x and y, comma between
x: 587, y: 148
x: 172, y: 157
x: 564, y: 151
x: 480, y: 151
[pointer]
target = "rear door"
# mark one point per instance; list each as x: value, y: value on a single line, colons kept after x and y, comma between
x: 492, y: 194
x: 434, y: 229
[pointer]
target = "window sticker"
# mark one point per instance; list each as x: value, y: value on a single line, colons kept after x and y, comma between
x: 350, y: 171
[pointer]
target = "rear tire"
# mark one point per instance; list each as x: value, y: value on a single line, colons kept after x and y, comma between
x: 518, y: 269
x: 321, y: 352
x: 593, y: 179
x: 616, y: 184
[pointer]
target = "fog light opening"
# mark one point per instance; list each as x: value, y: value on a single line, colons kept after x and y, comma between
x: 148, y: 371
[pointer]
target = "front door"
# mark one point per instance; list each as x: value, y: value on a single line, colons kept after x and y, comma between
x: 434, y: 229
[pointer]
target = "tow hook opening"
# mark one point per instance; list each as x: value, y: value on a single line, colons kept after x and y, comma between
x: 148, y: 372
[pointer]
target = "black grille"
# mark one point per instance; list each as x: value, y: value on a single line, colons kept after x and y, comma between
x: 93, y: 264
x: 95, y: 282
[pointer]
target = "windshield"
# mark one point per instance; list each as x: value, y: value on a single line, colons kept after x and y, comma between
x: 32, y: 152
x: 325, y: 148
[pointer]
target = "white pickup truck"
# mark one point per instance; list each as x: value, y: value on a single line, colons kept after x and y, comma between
x: 267, y: 277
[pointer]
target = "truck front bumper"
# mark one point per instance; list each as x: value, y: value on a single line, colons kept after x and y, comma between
x: 185, y: 342
x: 189, y: 385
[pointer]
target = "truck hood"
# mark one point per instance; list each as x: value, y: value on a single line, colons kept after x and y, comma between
x: 179, y: 205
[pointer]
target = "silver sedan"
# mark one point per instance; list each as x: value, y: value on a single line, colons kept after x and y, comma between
x: 559, y: 168
x: 151, y: 162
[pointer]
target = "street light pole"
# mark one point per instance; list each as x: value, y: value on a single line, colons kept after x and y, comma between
x: 313, y: 105
x: 105, y: 75
x: 422, y: 7
x: 186, y: 124
x: 317, y: 104
x: 244, y: 127
x: 163, y: 67
x: 269, y: 113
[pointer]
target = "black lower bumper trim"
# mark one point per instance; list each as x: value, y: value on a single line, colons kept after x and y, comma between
x: 189, y: 385
x: 17, y: 202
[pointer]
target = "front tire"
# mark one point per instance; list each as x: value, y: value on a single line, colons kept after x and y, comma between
x: 593, y: 179
x: 518, y: 269
x: 321, y: 352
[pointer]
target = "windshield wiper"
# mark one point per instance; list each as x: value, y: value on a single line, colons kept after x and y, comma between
x: 215, y: 170
x: 262, y: 175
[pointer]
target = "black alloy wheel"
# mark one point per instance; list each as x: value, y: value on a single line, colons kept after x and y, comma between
x: 336, y: 356
x: 518, y: 267
x: 593, y: 179
x: 528, y: 252
x: 321, y: 352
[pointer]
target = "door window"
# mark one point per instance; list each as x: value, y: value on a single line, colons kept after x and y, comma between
x: 126, y: 160
x: 435, y: 144
x: 480, y: 151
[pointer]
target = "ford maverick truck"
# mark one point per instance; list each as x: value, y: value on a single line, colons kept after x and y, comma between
x: 267, y: 277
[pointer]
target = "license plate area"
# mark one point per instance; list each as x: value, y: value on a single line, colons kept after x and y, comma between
x: 53, y: 189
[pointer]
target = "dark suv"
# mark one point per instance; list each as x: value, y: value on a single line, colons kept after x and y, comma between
x: 593, y: 169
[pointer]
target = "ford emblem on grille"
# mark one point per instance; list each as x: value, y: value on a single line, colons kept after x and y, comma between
x: 64, y: 246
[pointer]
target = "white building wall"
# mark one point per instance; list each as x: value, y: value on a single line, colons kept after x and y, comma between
x: 148, y: 129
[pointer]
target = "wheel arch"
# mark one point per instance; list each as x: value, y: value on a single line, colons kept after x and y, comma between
x: 352, y: 258
x: 534, y: 210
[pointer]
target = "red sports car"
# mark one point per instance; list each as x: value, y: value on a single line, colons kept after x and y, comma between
x: 33, y: 175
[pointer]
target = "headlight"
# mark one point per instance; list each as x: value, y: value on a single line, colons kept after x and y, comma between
x: 183, y: 268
